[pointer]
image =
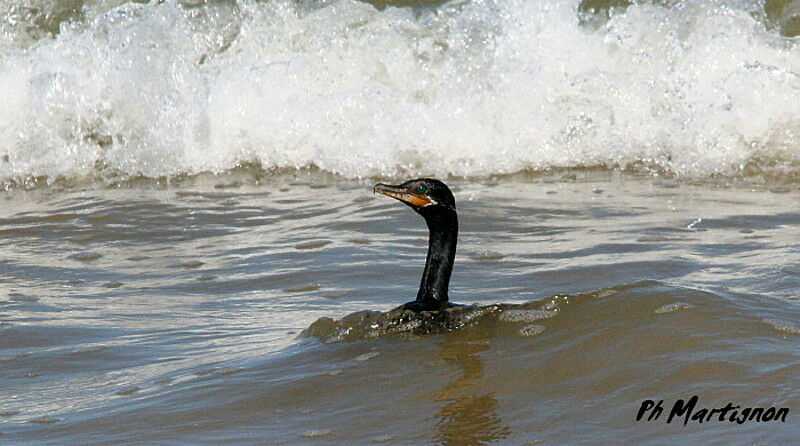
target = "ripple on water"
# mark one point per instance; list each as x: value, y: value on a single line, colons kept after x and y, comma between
x: 531, y: 330
x: 602, y: 294
x: 334, y: 295
x: 313, y: 433
x: 487, y: 256
x: 673, y: 307
x: 303, y: 289
x: 783, y: 326
x: 85, y: 257
x: 11, y: 358
x: 45, y: 420
x: 92, y: 349
x: 229, y: 371
x: 17, y: 297
x: 137, y: 258
x: 127, y: 391
x: 359, y: 241
x: 313, y: 245
x: 366, y: 356
x: 526, y: 315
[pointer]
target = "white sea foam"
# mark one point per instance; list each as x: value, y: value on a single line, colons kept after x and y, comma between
x: 476, y: 88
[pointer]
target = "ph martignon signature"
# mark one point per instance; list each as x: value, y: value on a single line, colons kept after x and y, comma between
x: 688, y: 411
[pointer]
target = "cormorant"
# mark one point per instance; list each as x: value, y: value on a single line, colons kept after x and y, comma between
x: 432, y: 200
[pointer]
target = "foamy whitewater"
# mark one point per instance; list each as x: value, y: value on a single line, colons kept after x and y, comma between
x: 465, y: 88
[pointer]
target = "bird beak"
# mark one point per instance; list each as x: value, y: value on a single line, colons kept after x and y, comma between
x: 411, y: 198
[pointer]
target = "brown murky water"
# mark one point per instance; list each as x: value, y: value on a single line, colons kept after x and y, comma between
x: 164, y: 315
x: 249, y: 307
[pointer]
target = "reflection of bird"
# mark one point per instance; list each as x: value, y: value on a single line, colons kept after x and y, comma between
x: 468, y: 415
x: 433, y: 200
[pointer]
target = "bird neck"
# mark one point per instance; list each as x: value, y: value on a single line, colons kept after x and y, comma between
x: 443, y: 228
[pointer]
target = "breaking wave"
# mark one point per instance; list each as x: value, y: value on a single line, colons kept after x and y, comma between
x: 462, y: 88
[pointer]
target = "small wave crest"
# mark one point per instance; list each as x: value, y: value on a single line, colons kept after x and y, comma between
x: 405, y: 323
x: 464, y: 88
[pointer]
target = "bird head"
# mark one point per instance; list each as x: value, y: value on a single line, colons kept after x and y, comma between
x: 424, y: 195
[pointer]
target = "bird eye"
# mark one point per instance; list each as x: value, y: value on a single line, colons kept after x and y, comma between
x: 421, y: 190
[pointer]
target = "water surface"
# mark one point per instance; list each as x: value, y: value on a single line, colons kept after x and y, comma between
x: 186, y: 187
x: 172, y: 314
